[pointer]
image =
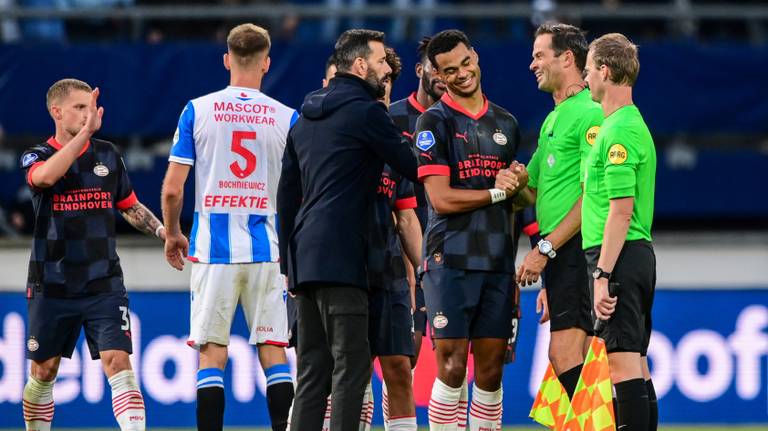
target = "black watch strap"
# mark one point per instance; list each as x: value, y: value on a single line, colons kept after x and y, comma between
x: 599, y: 273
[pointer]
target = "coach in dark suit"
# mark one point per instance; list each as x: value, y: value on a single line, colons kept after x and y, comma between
x: 331, y: 167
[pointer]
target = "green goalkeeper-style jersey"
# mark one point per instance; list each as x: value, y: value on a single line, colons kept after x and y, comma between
x: 621, y: 164
x: 556, y: 169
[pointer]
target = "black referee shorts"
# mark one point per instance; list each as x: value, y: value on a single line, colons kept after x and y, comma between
x: 633, y: 281
x: 567, y: 285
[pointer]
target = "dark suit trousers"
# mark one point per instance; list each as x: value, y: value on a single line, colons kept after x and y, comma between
x: 333, y: 356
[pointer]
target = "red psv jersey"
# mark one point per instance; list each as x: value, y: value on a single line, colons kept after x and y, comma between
x: 470, y: 149
x: 73, y: 250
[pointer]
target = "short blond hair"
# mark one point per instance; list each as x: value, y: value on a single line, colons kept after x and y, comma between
x: 247, y: 42
x: 619, y: 54
x: 61, y: 89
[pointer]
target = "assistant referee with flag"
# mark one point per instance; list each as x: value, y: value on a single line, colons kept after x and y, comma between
x: 617, y: 212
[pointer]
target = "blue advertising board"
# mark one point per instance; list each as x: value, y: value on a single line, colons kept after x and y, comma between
x: 709, y: 360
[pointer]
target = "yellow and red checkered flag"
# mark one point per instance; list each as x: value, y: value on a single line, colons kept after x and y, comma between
x: 591, y: 408
x: 551, y: 404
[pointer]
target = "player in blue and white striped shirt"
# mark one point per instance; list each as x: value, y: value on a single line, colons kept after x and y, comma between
x: 235, y: 138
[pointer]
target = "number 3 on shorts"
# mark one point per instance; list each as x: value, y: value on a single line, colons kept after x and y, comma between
x: 126, y: 321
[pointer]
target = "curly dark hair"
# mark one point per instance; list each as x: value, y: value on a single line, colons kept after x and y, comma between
x: 393, y: 60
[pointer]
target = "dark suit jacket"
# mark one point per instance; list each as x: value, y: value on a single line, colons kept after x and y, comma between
x: 331, y: 167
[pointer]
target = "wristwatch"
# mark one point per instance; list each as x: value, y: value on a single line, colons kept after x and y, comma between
x: 545, y: 248
x: 599, y: 273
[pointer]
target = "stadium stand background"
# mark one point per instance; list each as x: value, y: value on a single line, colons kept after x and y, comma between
x: 701, y: 88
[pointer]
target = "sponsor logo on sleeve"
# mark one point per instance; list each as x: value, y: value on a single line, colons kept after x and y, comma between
x: 591, y: 135
x: 28, y: 160
x: 617, y: 154
x: 425, y: 140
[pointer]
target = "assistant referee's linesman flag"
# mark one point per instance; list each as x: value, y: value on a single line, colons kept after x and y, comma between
x: 551, y: 404
x: 591, y: 408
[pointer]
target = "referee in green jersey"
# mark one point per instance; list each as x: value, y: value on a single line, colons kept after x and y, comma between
x: 555, y: 176
x: 617, y: 212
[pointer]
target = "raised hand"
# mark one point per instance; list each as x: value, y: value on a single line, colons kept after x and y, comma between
x: 93, y: 119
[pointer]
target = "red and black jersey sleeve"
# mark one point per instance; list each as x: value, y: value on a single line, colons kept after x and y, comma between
x: 125, y: 196
x: 405, y: 195
x: 32, y: 159
x: 431, y: 141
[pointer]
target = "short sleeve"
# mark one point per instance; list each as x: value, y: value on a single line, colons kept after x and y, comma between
x: 432, y: 146
x: 385, y: 139
x: 183, y: 149
x: 32, y: 159
x: 405, y: 195
x: 589, y: 129
x: 125, y: 198
x: 533, y: 168
x: 621, y: 161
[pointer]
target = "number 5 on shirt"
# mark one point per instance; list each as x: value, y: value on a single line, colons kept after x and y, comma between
x: 237, y: 147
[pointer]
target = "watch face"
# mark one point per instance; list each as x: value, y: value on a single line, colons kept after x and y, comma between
x: 545, y: 247
x: 596, y: 273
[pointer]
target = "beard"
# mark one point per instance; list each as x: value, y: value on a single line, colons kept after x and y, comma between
x: 376, y: 83
x: 430, y: 87
x: 73, y: 131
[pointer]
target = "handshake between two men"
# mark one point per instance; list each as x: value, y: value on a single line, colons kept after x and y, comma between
x: 512, y: 180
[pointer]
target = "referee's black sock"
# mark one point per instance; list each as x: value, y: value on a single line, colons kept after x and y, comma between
x: 569, y: 379
x: 210, y: 409
x: 653, y: 406
x: 632, y: 398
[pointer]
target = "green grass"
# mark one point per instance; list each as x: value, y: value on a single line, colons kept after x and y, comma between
x: 515, y: 428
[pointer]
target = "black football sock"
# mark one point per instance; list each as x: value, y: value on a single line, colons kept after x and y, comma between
x: 210, y: 399
x: 653, y: 406
x: 570, y: 379
x: 279, y: 395
x: 210, y: 409
x: 632, y: 399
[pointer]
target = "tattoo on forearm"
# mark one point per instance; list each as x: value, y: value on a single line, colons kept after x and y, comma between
x: 142, y: 219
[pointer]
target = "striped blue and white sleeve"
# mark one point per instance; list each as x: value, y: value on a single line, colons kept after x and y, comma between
x: 183, y: 149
